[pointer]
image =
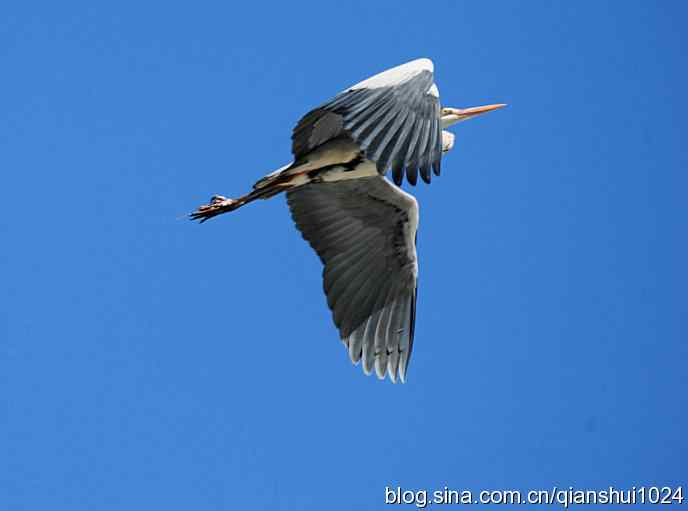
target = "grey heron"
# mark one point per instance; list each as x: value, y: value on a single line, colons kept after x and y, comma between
x: 361, y: 225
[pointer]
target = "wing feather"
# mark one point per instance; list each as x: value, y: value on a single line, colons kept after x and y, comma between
x: 364, y: 232
x: 392, y: 116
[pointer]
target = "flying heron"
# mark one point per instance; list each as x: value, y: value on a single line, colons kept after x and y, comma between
x: 362, y: 226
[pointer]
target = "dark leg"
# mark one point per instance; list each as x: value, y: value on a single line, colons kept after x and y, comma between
x: 219, y: 204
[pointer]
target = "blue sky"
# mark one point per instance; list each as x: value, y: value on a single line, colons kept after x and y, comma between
x: 148, y: 362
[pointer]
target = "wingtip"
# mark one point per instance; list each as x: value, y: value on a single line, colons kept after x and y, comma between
x: 403, y: 366
x: 437, y: 167
x: 398, y: 176
x: 425, y: 174
x: 412, y: 176
x: 402, y: 373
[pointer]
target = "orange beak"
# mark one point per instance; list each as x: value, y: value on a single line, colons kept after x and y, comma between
x: 467, y: 113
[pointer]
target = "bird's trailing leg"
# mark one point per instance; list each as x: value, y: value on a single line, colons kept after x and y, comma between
x: 219, y: 204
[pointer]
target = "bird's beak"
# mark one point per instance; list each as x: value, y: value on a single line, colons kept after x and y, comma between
x: 467, y: 113
x: 454, y: 115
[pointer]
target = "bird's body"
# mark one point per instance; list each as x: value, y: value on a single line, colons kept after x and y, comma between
x: 362, y: 226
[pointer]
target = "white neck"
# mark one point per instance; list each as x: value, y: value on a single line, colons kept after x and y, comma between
x: 449, y: 120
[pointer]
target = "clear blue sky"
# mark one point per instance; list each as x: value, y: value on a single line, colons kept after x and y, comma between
x: 150, y: 363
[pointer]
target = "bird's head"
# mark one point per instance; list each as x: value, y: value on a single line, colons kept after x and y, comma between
x: 451, y: 116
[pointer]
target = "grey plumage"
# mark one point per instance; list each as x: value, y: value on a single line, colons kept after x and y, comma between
x: 364, y: 231
x: 395, y: 125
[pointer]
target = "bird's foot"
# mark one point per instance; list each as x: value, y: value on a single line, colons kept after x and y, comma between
x: 217, y: 205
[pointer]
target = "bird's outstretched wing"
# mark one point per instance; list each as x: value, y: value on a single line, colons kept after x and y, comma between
x: 364, y: 232
x: 394, y: 117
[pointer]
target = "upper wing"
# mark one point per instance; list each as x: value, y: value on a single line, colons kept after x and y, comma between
x: 364, y: 232
x: 393, y: 116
